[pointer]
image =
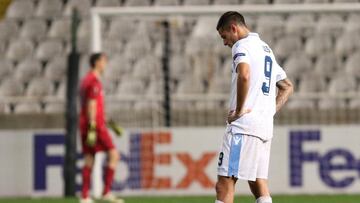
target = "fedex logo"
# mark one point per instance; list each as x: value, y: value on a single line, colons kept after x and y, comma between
x: 327, y: 166
x: 141, y: 161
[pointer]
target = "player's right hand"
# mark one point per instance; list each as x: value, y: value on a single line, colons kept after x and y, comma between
x: 91, y: 135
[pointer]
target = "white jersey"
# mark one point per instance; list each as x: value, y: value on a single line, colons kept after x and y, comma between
x: 261, y: 98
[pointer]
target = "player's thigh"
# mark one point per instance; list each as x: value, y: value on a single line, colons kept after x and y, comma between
x: 105, y: 141
x: 264, y: 160
x: 89, y: 159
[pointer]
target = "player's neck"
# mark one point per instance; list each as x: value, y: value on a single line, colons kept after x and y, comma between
x: 96, y: 73
x: 243, y: 33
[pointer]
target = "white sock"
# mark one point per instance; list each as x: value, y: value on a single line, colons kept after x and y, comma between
x: 264, y: 199
x: 218, y: 201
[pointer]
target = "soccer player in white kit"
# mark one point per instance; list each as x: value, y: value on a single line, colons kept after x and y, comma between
x: 259, y: 88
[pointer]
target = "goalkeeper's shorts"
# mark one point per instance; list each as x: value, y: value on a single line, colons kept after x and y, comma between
x: 104, y: 141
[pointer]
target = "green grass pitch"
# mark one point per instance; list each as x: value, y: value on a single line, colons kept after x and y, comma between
x: 205, y: 199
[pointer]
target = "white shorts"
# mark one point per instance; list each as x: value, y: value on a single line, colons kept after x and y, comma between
x: 244, y: 156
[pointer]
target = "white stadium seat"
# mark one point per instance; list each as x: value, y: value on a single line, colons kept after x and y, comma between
x: 137, y: 3
x: 301, y: 25
x: 287, y: 1
x: 10, y: 87
x: 83, y: 6
x: 40, y: 87
x: 27, y: 107
x: 167, y: 2
x: 316, y: 1
x: 287, y: 45
x: 347, y: 43
x: 330, y: 25
x: 327, y: 64
x: 8, y: 29
x: 54, y: 107
x: 331, y: 104
x: 107, y: 3
x: 118, y: 67
x: 342, y: 83
x: 34, y: 29
x: 49, y: 9
x: 27, y: 69
x: 20, y: 49
x: 20, y: 9
x: 226, y: 2
x: 317, y: 45
x: 60, y: 29
x: 294, y: 104
x: 6, y: 68
x: 196, y: 2
x: 352, y: 64
x: 297, y: 64
x: 256, y: 2
x: 49, y: 49
x: 312, y: 83
x: 131, y: 87
x: 122, y: 28
x: 56, y: 69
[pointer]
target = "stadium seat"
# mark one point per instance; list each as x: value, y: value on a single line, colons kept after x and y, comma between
x: 300, y: 104
x: 311, y: 83
x: 317, y: 45
x: 83, y: 6
x: 146, y: 67
x: 208, y: 105
x: 84, y: 32
x: 122, y: 28
x: 354, y: 103
x: 287, y: 1
x: 10, y: 87
x: 190, y: 85
x: 221, y: 50
x: 20, y: 49
x: 54, y: 107
x: 352, y: 64
x: 61, y: 90
x: 6, y: 68
x: 226, y: 2
x: 316, y: 1
x: 109, y: 87
x: 60, y: 29
x: 129, y: 86
x: 137, y: 47
x: 156, y: 88
x: 331, y: 104
x: 300, y: 25
x: 49, y: 9
x: 34, y: 29
x: 27, y: 107
x: 179, y: 67
x: 56, y: 69
x: 27, y: 69
x: 287, y: 45
x: 297, y: 64
x: 196, y: 2
x: 118, y: 67
x: 342, y: 83
x: 20, y: 9
x: 112, y: 48
x: 4, y: 108
x: 137, y: 3
x: 327, y: 64
x: 270, y: 27
x: 352, y: 23
x: 256, y: 2
x: 346, y: 1
x: 347, y: 44
x: 40, y: 87
x: 49, y: 49
x: 107, y: 3
x: 166, y: 3
x: 332, y: 25
x: 147, y: 105
x: 8, y: 29
x: 219, y: 85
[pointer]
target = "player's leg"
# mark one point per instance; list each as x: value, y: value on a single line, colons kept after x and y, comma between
x: 259, y: 187
x: 86, y: 174
x: 260, y: 190
x: 106, y: 144
x: 225, y: 189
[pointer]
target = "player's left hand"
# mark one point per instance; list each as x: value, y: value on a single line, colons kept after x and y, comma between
x: 115, y: 128
x: 233, y: 115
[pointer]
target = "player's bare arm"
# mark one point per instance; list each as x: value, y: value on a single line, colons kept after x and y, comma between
x: 243, y: 83
x: 92, y: 111
x: 285, y: 89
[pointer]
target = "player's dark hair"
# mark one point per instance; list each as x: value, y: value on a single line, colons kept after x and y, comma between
x: 230, y: 17
x: 94, y: 58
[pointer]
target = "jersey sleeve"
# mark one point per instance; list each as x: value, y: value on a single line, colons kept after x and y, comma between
x: 240, y: 55
x: 281, y: 75
x: 93, y: 90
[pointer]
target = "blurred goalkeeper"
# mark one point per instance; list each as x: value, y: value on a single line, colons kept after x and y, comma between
x: 93, y: 129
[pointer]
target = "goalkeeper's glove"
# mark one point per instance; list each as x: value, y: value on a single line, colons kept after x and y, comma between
x: 115, y: 128
x: 91, y: 135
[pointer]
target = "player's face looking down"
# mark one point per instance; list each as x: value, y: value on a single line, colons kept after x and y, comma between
x: 229, y: 35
